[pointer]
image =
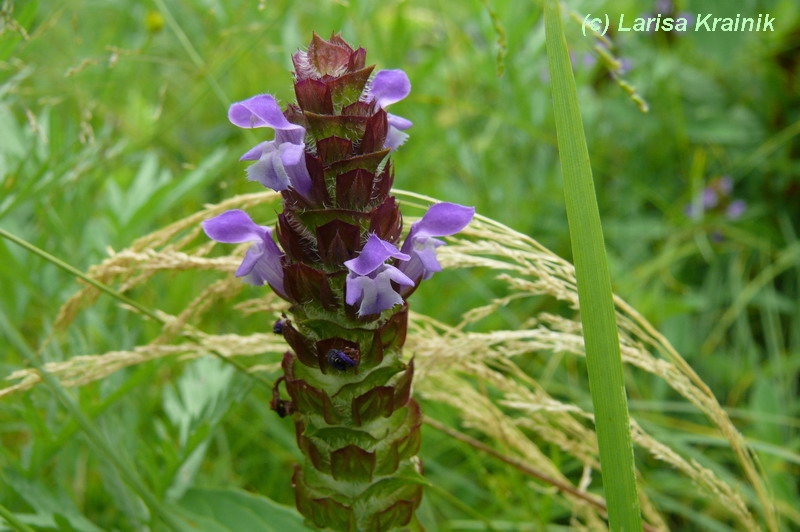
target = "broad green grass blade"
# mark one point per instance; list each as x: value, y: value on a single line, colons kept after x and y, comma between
x: 594, y: 288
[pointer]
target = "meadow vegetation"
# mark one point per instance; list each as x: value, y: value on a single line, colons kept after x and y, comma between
x: 114, y: 145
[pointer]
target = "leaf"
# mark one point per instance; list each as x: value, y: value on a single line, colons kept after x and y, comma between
x: 234, y: 510
x: 195, y: 406
x: 603, y: 359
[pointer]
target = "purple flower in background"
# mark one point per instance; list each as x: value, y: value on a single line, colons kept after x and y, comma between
x: 388, y: 87
x: 262, y: 263
x: 281, y: 162
x: 716, y: 197
x: 710, y: 198
x: 442, y: 219
x: 692, y: 212
x: 736, y: 209
x: 689, y: 21
x: 369, y: 283
x: 625, y: 66
x: 664, y: 6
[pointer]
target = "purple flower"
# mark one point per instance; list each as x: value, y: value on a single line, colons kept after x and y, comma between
x: 442, y: 219
x: 281, y: 163
x: 262, y: 262
x: 369, y: 283
x: 625, y: 66
x: 710, y: 198
x: 664, y: 6
x: 689, y: 20
x: 736, y: 209
x: 388, y: 87
x: 716, y: 197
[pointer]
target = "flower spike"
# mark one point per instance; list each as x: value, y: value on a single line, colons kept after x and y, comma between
x: 343, y: 269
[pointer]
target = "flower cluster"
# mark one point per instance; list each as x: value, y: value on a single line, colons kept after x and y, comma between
x: 369, y: 282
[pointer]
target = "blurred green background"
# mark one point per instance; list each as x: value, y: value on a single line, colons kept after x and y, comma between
x: 113, y: 124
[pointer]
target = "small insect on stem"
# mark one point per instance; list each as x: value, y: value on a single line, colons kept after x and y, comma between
x: 344, y: 359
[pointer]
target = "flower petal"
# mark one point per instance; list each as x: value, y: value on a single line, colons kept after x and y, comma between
x: 423, y: 263
x: 390, y: 86
x: 255, y: 153
x: 394, y: 138
x: 295, y: 135
x: 442, y: 219
x: 374, y: 293
x: 397, y: 276
x: 736, y: 209
x: 369, y: 296
x: 234, y: 227
x: 426, y: 253
x: 269, y: 170
x: 262, y: 264
x: 354, y: 288
x: 710, y: 198
x: 374, y: 254
x: 398, y: 121
x: 293, y: 159
x: 259, y: 111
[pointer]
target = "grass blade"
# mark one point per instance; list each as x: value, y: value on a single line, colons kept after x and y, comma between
x: 11, y: 519
x: 603, y: 358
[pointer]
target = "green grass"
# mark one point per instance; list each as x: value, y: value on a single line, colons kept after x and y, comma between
x: 112, y: 124
x: 603, y: 359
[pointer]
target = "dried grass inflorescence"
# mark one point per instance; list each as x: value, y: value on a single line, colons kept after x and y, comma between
x: 510, y: 408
